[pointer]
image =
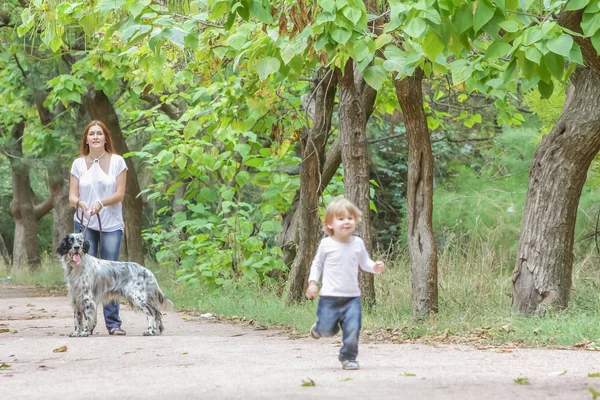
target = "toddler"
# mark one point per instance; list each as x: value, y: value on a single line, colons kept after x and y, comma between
x: 338, y: 259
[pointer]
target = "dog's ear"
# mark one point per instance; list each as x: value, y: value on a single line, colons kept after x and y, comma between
x: 86, y: 246
x: 63, y: 248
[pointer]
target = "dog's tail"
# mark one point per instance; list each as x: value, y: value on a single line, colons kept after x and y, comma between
x: 165, y: 303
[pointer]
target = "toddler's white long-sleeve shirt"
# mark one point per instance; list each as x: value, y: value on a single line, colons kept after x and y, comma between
x: 338, y: 263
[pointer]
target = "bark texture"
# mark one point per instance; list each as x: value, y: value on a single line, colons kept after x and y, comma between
x: 99, y: 107
x: 542, y: 274
x: 421, y: 243
x: 313, y: 153
x: 356, y: 105
x: 27, y: 214
x: 288, y: 239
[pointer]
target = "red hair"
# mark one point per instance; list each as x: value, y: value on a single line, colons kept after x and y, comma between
x: 85, y: 147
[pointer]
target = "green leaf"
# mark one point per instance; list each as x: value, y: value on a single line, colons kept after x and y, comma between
x: 555, y: 64
x: 177, y: 37
x: 509, y: 26
x: 106, y: 5
x: 382, y: 40
x: 138, y: 6
x: 255, y: 162
x: 340, y: 35
x: 561, y: 45
x: 242, y: 178
x: 261, y: 13
x: 483, y: 14
x: 590, y: 23
x: 271, y: 226
x: 375, y: 76
x: 432, y: 45
x: 415, y: 27
x: 522, y: 381
x: 498, y: 49
x: 353, y: 14
x: 533, y: 54
x: 361, y: 50
x: 463, y: 19
x: 532, y: 35
x: 545, y: 89
x: 268, y: 66
x: 573, y: 5
x: 594, y: 375
x: 327, y: 5
x: 88, y: 23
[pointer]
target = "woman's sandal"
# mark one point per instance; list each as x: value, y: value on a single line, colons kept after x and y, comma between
x: 117, y: 331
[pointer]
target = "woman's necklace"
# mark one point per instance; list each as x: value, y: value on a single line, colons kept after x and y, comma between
x: 97, y: 159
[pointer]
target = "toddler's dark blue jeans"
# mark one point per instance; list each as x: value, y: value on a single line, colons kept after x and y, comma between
x: 345, y: 313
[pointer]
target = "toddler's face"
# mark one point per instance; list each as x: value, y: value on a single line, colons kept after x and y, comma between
x: 343, y: 225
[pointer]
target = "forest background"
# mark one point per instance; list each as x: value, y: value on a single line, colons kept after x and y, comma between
x: 214, y: 105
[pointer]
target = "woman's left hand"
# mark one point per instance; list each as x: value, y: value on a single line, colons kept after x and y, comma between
x: 95, y: 209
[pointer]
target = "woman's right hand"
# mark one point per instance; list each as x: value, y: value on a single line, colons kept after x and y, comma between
x: 84, y: 207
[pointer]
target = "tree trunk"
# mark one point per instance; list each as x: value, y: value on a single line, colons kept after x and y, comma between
x: 26, y: 246
x: 353, y: 116
x: 288, y: 239
x: 421, y: 243
x: 99, y: 107
x: 63, y: 212
x: 310, y: 180
x: 542, y: 274
x: 4, y: 251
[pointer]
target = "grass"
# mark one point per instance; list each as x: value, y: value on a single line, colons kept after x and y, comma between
x: 474, y: 301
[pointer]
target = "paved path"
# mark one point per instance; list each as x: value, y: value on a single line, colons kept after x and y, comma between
x: 202, y: 359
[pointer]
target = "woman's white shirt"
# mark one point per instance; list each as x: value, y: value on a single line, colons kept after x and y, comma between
x: 95, y: 184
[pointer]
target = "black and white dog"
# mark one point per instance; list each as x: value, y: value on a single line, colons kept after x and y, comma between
x: 92, y: 281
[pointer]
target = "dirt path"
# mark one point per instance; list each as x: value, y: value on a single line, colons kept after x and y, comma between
x: 198, y: 358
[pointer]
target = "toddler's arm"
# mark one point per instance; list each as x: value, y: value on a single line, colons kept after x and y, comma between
x: 316, y: 269
x: 312, y: 291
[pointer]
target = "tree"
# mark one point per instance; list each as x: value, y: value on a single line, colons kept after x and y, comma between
x: 313, y: 161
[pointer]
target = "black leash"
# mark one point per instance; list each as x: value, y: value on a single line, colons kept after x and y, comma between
x: 86, y: 227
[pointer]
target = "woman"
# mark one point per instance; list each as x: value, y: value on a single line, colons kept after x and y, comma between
x: 97, y: 188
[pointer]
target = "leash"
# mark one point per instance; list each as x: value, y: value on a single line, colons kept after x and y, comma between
x: 88, y: 224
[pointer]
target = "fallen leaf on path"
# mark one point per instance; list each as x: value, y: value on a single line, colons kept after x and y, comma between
x: 4, y: 330
x: 503, y: 351
x: 594, y: 375
x: 30, y: 305
x: 61, y: 349
x: 308, y: 382
x: 407, y: 374
x: 559, y: 373
x: 4, y: 366
x: 184, y: 353
x: 594, y: 392
x: 345, y: 380
x: 522, y: 381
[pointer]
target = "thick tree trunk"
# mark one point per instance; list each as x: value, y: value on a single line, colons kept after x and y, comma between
x: 288, y: 239
x: 26, y: 246
x: 542, y: 274
x: 99, y: 107
x: 63, y: 212
x: 421, y: 243
x: 353, y: 115
x: 310, y: 180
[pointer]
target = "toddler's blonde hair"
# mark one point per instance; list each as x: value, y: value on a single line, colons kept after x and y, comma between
x: 337, y: 208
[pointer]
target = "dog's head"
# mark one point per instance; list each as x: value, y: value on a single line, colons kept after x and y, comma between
x: 73, y: 246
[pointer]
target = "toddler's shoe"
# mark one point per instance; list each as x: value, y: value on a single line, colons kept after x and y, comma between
x: 314, y: 333
x: 350, y: 364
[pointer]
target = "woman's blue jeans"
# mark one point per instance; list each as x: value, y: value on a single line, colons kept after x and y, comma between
x: 111, y: 246
x: 345, y: 313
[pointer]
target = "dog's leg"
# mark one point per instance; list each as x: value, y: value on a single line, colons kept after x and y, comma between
x: 77, y: 317
x: 89, y: 315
